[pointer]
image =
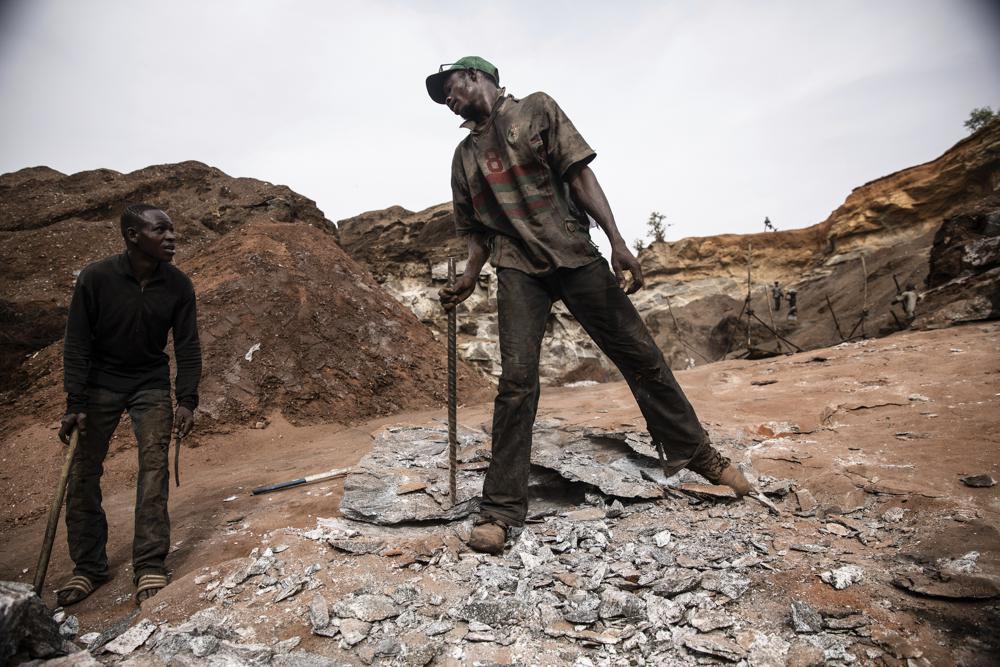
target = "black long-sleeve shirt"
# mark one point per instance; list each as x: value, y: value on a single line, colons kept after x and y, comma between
x: 116, y: 334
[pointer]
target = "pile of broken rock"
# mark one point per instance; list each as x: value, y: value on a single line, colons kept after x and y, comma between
x: 591, y: 585
x: 605, y: 572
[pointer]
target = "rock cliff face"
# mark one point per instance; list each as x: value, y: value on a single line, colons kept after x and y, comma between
x: 842, y: 270
x: 288, y: 321
x: 883, y: 213
x: 408, y: 254
x: 885, y: 228
x: 964, y: 273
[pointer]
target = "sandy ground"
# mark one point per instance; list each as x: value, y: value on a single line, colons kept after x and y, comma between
x: 899, y: 419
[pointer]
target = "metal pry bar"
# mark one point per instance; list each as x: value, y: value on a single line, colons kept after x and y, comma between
x: 452, y: 391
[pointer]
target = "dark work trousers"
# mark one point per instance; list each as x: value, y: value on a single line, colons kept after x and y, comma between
x: 592, y: 295
x: 86, y: 525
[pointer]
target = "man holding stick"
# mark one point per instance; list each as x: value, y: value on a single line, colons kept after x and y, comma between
x: 522, y: 192
x: 122, y: 309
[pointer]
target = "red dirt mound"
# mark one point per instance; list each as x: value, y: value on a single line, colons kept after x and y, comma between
x: 333, y: 345
x: 268, y: 271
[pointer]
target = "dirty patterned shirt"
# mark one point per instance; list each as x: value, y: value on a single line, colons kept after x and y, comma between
x: 508, y: 183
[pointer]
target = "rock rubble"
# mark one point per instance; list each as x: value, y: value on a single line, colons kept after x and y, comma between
x: 591, y: 579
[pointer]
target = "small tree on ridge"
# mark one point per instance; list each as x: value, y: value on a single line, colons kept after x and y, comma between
x: 657, y: 228
x: 979, y: 118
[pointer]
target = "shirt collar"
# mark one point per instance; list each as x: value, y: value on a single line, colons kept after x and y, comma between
x: 471, y: 124
x: 125, y: 267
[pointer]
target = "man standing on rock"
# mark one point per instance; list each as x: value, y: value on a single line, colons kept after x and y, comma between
x: 777, y: 294
x: 114, y: 359
x: 908, y: 300
x: 522, y: 191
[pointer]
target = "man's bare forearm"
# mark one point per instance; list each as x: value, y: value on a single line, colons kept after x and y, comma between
x: 587, y: 191
x: 477, y: 255
x: 452, y: 295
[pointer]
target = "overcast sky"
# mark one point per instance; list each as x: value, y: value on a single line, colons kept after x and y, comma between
x: 715, y: 113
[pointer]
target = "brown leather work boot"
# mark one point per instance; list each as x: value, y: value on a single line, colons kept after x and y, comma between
x: 735, y: 480
x: 718, y: 469
x: 488, y: 537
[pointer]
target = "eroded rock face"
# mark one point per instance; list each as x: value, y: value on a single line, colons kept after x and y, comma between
x: 891, y: 221
x: 696, y: 287
x: 886, y: 212
x: 964, y: 272
x: 408, y: 254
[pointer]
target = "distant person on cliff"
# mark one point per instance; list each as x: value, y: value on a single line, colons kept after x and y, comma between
x: 522, y: 191
x: 908, y: 300
x: 793, y: 304
x: 114, y: 361
x: 776, y: 294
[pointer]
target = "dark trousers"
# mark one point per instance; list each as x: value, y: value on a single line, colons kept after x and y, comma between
x: 86, y: 524
x: 592, y: 295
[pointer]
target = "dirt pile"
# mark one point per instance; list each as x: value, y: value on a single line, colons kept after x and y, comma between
x: 288, y: 321
x: 697, y: 286
x: 291, y: 323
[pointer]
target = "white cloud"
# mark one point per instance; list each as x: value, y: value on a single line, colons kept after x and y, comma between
x: 716, y: 113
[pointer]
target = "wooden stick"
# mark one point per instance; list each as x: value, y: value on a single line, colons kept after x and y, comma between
x: 54, y: 512
x: 778, y: 335
x: 864, y: 270
x: 749, y: 305
x: 677, y: 328
x: 864, y: 309
x: 834, y: 313
x: 770, y: 313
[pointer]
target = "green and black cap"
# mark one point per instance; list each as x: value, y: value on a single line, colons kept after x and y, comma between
x: 435, y: 82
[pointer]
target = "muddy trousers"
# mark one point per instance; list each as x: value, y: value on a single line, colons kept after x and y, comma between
x: 86, y: 524
x: 592, y: 295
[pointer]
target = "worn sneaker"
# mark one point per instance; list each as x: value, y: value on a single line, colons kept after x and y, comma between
x: 488, y: 537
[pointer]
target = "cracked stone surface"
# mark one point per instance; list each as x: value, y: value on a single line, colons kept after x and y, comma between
x: 842, y: 577
x: 405, y: 476
x: 804, y: 618
x: 132, y: 638
x: 715, y: 645
x: 366, y: 607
